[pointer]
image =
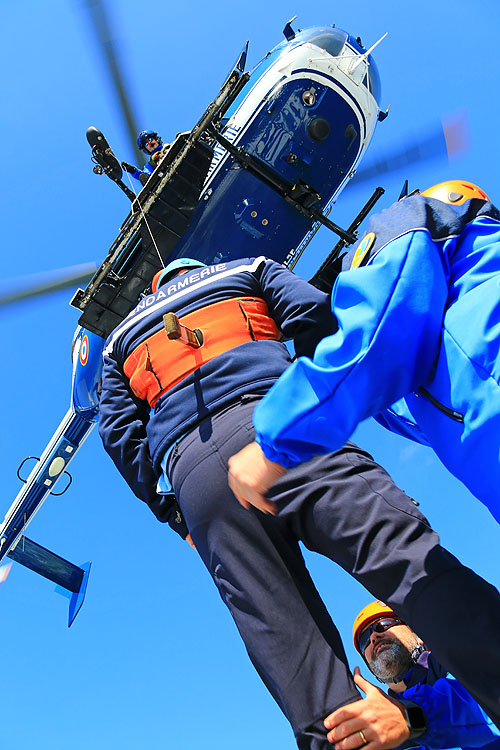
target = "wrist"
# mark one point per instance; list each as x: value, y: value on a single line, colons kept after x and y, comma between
x: 275, y: 457
x: 415, y: 718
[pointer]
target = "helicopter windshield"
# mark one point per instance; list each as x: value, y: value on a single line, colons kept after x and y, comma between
x: 333, y: 41
x: 373, y: 82
x: 330, y: 39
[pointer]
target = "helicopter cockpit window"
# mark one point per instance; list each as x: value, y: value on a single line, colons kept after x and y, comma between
x: 372, y: 80
x: 332, y: 40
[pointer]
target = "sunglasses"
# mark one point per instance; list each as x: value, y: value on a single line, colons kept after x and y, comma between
x: 379, y: 626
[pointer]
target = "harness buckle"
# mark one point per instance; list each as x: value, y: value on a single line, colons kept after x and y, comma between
x: 176, y: 331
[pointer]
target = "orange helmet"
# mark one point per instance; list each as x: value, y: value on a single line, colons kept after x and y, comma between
x: 369, y: 614
x: 455, y: 192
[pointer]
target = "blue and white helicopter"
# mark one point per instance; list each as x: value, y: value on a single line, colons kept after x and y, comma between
x: 257, y: 175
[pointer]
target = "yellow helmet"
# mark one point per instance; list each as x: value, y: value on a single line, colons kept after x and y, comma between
x: 369, y: 614
x: 455, y: 192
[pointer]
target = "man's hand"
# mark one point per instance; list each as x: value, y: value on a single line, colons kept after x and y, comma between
x: 128, y: 167
x: 378, y: 719
x: 250, y: 476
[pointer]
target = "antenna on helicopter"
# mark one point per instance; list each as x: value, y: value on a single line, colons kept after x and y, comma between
x: 364, y: 56
x: 404, y: 190
x: 240, y: 64
x: 383, y: 115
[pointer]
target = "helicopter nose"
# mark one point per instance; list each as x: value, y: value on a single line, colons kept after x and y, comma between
x: 318, y: 128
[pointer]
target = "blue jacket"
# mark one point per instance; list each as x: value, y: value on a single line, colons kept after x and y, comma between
x: 148, y: 170
x: 151, y: 164
x: 136, y: 437
x: 454, y: 719
x: 420, y: 320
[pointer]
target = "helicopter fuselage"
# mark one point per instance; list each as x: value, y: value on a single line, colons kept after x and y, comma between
x: 290, y: 141
x: 308, y: 118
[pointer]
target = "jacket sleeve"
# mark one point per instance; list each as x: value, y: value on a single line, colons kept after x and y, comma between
x: 389, y: 327
x: 454, y: 719
x: 397, y: 418
x: 122, y: 427
x: 300, y: 310
x: 143, y: 174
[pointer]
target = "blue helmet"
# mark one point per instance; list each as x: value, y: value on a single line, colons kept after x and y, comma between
x: 171, y: 269
x: 144, y: 136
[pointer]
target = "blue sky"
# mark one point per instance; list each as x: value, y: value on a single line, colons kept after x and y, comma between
x: 153, y: 659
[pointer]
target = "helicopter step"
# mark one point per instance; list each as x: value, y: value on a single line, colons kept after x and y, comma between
x: 69, y: 577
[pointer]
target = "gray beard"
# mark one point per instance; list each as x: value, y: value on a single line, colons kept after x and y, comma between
x: 392, y: 661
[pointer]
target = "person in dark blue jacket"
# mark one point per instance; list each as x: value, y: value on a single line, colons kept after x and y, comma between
x: 152, y: 145
x: 426, y: 706
x: 181, y: 377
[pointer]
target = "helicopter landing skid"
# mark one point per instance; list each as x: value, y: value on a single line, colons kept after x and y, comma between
x: 326, y: 274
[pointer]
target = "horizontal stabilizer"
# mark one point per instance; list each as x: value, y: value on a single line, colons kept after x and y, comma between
x: 66, y: 575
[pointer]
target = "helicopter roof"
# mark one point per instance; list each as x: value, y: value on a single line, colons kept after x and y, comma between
x: 337, y: 43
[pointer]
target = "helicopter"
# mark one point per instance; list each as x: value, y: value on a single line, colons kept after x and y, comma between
x: 257, y: 175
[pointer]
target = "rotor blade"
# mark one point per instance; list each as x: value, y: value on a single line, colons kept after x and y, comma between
x: 46, y: 283
x: 447, y: 140
x: 102, y: 28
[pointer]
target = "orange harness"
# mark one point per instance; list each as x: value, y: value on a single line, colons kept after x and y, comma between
x: 160, y: 363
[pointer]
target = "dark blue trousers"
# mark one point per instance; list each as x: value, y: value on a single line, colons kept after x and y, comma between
x: 346, y: 507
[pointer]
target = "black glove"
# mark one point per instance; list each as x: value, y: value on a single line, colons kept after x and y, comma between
x: 128, y: 167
